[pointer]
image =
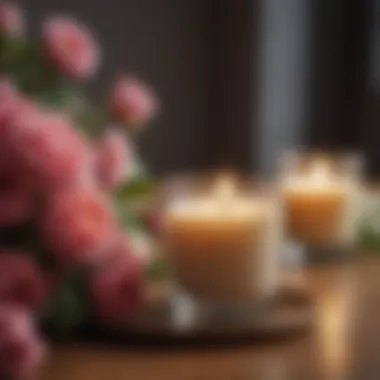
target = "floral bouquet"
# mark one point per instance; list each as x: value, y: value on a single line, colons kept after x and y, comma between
x: 70, y: 251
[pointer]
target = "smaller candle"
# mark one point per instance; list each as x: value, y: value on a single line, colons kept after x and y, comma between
x: 321, y: 205
x: 223, y: 245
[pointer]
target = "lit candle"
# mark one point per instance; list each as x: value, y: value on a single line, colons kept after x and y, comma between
x: 223, y: 246
x: 321, y: 206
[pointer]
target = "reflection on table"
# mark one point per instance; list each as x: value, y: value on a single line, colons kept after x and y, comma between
x: 343, y: 344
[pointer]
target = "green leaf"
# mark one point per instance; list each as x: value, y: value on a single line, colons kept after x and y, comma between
x: 139, y: 171
x: 67, y: 310
x: 136, y: 188
x: 12, y: 52
x: 128, y: 216
x: 25, y: 62
x: 32, y: 73
x: 159, y: 270
x: 369, y: 228
x: 90, y: 118
x: 369, y: 237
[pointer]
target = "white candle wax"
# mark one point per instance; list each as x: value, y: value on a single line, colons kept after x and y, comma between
x: 219, y: 244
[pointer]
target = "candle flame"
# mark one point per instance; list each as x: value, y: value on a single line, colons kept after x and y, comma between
x: 225, y: 188
x: 320, y: 172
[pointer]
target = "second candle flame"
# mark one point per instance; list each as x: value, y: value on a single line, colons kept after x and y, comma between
x: 224, y: 189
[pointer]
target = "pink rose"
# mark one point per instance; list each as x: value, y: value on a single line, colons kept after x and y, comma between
x: 132, y: 103
x: 17, y: 195
x: 12, y: 104
x: 79, y: 225
x: 8, y: 108
x: 113, y: 159
x: 56, y: 152
x: 137, y: 245
x: 122, y: 248
x: 70, y: 47
x: 7, y: 87
x: 16, y: 187
x: 153, y: 220
x: 11, y: 20
x: 12, y: 107
x: 117, y: 288
x: 21, y: 351
x: 21, y: 283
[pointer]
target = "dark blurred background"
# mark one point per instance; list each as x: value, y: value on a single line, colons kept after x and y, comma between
x: 242, y: 80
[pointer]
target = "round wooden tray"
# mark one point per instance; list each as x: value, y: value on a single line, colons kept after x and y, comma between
x: 287, y: 314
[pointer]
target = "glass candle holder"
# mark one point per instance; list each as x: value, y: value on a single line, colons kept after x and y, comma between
x: 223, y: 246
x: 323, y: 200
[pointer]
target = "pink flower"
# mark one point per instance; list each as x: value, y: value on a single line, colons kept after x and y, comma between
x: 79, y: 225
x: 142, y: 248
x: 117, y: 288
x: 122, y: 249
x: 113, y: 159
x: 17, y: 195
x: 12, y: 104
x: 133, y: 103
x: 14, y: 321
x: 21, y: 351
x: 70, y: 47
x: 8, y: 101
x: 56, y: 152
x: 6, y: 86
x: 16, y: 190
x: 21, y: 283
x: 137, y: 245
x: 153, y: 220
x: 11, y: 20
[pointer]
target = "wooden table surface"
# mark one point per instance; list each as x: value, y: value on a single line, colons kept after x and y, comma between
x: 344, y: 342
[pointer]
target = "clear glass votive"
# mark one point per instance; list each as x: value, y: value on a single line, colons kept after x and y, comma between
x: 223, y: 245
x: 322, y: 198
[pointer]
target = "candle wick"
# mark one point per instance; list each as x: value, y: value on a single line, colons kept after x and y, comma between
x: 225, y: 193
x: 320, y: 173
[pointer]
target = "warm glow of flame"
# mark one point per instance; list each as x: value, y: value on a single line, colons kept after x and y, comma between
x: 225, y: 188
x: 320, y: 171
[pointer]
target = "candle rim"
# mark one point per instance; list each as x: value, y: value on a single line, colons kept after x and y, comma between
x: 204, y: 207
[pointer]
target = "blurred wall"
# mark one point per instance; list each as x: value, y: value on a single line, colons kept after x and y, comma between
x: 344, y: 103
x: 163, y: 42
x: 240, y: 81
x: 375, y: 47
x: 372, y: 109
x: 285, y: 37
